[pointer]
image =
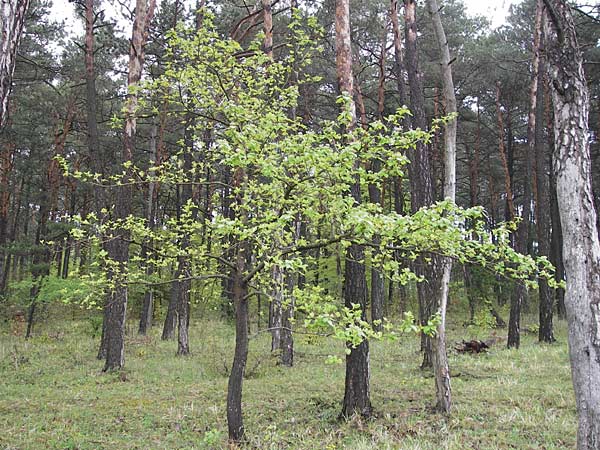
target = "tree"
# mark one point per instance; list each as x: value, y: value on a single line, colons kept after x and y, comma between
x: 356, y: 395
x: 12, y: 19
x: 421, y: 176
x: 581, y: 248
x: 439, y: 356
x: 118, y: 245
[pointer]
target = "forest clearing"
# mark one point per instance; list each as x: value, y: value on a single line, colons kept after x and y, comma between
x: 55, y: 396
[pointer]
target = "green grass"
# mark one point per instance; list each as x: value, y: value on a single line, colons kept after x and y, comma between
x: 53, y: 395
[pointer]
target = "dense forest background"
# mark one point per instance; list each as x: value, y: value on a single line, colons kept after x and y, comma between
x: 125, y: 199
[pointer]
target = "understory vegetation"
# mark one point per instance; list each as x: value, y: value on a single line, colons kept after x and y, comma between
x: 53, y: 394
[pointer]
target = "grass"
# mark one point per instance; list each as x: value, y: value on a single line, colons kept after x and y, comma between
x: 54, y: 396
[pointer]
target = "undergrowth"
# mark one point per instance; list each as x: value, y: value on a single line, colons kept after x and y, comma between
x: 54, y: 396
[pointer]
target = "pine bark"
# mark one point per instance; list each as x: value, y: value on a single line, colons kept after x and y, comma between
x: 356, y: 395
x: 543, y: 220
x: 421, y: 179
x: 118, y: 246
x: 12, y: 20
x: 581, y: 248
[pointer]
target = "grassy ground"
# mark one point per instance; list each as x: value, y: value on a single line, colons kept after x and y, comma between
x: 53, y: 395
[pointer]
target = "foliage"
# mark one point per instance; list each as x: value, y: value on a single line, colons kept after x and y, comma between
x: 282, y: 173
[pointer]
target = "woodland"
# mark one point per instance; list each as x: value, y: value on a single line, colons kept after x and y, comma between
x: 299, y: 224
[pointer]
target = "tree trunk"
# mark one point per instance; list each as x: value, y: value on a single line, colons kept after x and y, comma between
x: 12, y: 19
x: 421, y: 178
x: 287, y: 319
x: 148, y: 302
x: 356, y: 396
x: 235, y: 422
x: 441, y: 370
x: 118, y: 247
x: 546, y: 296
x: 6, y: 169
x: 581, y: 247
x: 275, y: 308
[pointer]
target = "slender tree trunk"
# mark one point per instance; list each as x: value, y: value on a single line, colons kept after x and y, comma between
x: 235, y: 421
x: 6, y: 168
x: 441, y: 370
x: 375, y: 197
x: 240, y: 299
x: 287, y: 319
x: 546, y: 295
x: 148, y: 302
x: 275, y: 307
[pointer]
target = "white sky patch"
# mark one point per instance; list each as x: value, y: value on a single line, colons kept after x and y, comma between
x: 494, y: 10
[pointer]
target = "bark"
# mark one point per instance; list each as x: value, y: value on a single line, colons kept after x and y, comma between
x: 268, y: 27
x: 118, y: 247
x: 399, y: 68
x: 275, y: 308
x: 375, y: 196
x: 356, y: 395
x: 93, y: 144
x: 287, y: 319
x: 183, y: 307
x: 12, y: 19
x: 581, y: 248
x: 542, y: 187
x: 421, y: 179
x: 504, y: 158
x: 17, y: 201
x: 148, y: 302
x: 6, y: 169
x: 518, y: 293
x: 170, y: 324
x: 235, y: 422
x: 184, y: 263
x: 441, y: 370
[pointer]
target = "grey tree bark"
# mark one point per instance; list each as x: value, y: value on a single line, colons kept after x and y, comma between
x: 581, y: 248
x: 441, y: 370
x: 12, y: 19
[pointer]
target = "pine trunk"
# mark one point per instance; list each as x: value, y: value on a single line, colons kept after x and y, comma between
x: 356, y: 396
x: 581, y: 248
x: 118, y: 247
x: 12, y: 19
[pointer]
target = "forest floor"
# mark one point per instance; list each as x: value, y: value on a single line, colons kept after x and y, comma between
x: 53, y: 394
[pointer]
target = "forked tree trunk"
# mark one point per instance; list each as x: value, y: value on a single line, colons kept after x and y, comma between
x: 581, y: 247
